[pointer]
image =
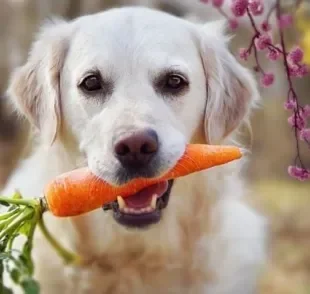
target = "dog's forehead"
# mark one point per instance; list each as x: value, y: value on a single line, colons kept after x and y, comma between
x: 129, y: 33
x: 135, y: 23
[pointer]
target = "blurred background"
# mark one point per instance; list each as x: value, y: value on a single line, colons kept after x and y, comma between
x: 285, y: 201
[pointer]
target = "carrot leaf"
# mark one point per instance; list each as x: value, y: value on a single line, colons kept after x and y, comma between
x: 19, y: 218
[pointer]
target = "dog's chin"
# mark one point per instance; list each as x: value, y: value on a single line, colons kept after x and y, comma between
x: 144, y: 208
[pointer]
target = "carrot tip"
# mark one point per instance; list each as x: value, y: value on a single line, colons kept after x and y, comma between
x: 244, y: 152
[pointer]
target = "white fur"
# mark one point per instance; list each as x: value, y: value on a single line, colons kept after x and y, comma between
x: 209, y: 240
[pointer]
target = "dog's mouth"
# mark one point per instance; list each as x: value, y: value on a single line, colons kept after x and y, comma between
x: 143, y: 208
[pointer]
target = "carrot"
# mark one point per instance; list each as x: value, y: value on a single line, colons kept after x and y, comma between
x: 79, y: 191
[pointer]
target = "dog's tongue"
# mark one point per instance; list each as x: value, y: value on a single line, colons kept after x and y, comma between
x: 144, y: 197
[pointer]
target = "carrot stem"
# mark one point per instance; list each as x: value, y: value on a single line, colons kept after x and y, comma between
x: 32, y: 213
x: 15, y: 224
x: 69, y: 257
x: 25, y: 202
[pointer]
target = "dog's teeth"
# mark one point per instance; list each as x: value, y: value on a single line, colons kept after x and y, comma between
x: 153, y: 202
x: 121, y: 202
x: 148, y: 209
x: 132, y: 210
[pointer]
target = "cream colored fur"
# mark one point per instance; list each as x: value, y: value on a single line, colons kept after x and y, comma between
x: 209, y: 240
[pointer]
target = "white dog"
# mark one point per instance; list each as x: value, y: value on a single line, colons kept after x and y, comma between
x: 123, y: 91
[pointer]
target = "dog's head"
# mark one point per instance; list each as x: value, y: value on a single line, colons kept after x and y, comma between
x: 129, y: 88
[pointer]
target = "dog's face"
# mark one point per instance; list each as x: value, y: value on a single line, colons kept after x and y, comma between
x: 129, y: 91
x: 129, y: 88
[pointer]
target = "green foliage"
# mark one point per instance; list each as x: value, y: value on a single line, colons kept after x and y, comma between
x: 19, y: 219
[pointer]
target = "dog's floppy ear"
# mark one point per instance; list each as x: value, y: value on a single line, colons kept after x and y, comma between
x: 231, y: 89
x: 34, y: 87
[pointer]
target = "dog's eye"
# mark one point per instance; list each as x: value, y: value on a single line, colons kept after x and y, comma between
x: 172, y: 84
x: 91, y: 83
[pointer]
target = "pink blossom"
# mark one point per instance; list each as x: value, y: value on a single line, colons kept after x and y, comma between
x: 299, y: 173
x: 293, y: 69
x: 273, y: 54
x: 302, y: 71
x: 233, y: 23
x: 297, y: 121
x: 296, y: 55
x: 265, y: 26
x: 239, y: 7
x: 285, y: 20
x: 262, y: 41
x: 267, y: 79
x: 293, y: 66
x: 244, y: 53
x: 298, y: 71
x: 256, y: 7
x: 305, y: 135
x: 306, y: 111
x: 291, y: 103
x: 217, y: 3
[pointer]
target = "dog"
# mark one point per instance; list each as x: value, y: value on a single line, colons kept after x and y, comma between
x: 122, y: 92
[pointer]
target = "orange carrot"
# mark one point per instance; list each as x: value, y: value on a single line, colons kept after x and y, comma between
x: 80, y: 191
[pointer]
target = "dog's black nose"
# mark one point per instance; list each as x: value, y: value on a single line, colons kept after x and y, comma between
x: 137, y: 149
